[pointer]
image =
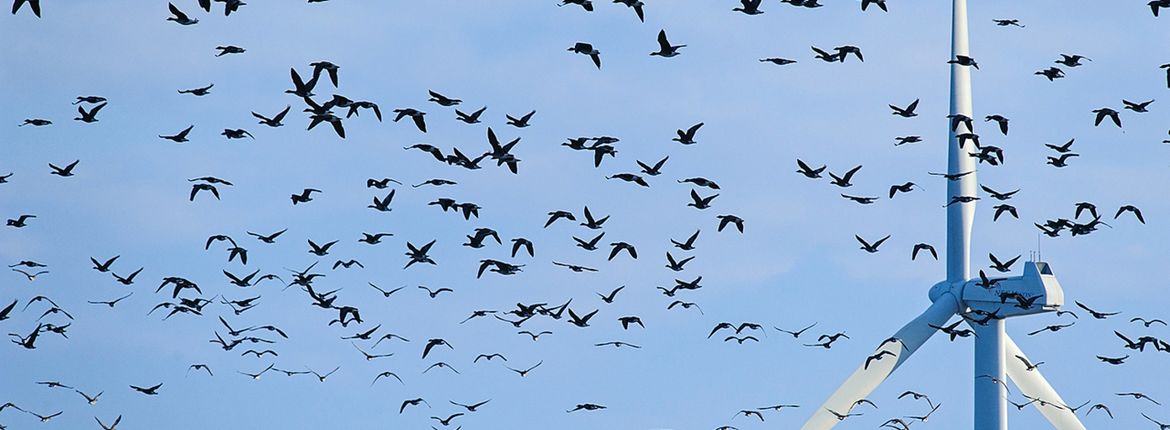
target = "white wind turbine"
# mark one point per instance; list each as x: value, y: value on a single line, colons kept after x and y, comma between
x: 959, y: 294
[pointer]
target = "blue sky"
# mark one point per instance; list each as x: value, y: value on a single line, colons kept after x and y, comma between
x: 797, y: 262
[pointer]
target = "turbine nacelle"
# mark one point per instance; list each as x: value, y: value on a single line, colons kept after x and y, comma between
x: 1036, y: 291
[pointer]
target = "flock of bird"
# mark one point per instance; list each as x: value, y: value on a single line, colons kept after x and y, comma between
x: 231, y: 329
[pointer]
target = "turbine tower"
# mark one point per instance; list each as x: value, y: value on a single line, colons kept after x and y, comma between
x: 1035, y: 291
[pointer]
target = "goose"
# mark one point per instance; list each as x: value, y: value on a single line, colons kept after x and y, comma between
x: 665, y: 49
x: 180, y: 17
x: 587, y: 49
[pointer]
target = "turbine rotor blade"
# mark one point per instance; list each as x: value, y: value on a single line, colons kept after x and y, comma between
x: 1033, y: 384
x: 867, y: 377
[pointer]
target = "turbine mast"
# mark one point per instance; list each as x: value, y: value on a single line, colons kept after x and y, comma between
x: 960, y: 216
x: 990, y: 397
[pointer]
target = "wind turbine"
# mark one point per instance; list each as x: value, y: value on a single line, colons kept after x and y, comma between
x: 959, y: 294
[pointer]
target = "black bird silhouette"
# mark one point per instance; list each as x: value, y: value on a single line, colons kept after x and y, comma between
x: 524, y: 372
x: 665, y: 49
x: 908, y: 111
x: 1105, y: 112
x: 1130, y: 208
x: 587, y: 49
x: 412, y: 402
x: 1095, y: 314
x: 868, y: 247
x: 520, y: 122
x: 63, y: 172
x: 687, y: 245
x: 472, y: 118
x: 749, y: 7
x: 1002, y: 267
x: 809, y: 172
x: 687, y: 137
x: 180, y: 17
x: 89, y: 116
x: 920, y: 247
x: 724, y: 220
x: 150, y: 391
x: 843, y: 180
x: 612, y: 294
x: 415, y: 115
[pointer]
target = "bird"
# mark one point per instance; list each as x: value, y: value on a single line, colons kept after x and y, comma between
x: 442, y: 100
x: 777, y: 60
x: 150, y: 391
x: 415, y: 115
x: 435, y: 293
x: 687, y: 137
x: 749, y: 7
x: 591, y: 222
x: 622, y: 246
x: 1072, y: 60
x: 587, y: 49
x: 1105, y: 112
x: 535, y: 336
x: 908, y: 111
x: 1146, y: 322
x: 419, y: 255
x: 89, y: 116
x: 1061, y: 148
x: 386, y: 374
x: 305, y: 196
x: 904, y: 188
x: 268, y: 239
x: 580, y: 321
x: 524, y: 372
x: 809, y: 172
x: 198, y: 92
x: 724, y: 220
x: 741, y: 340
x: 63, y: 172
x: 196, y: 188
x: 923, y: 246
x: 472, y: 118
x: 878, y: 357
x: 1062, y: 160
x: 1113, y: 360
x: 871, y: 248
x: 964, y: 60
x: 520, y: 122
x: 881, y: 4
x: 1095, y: 314
x: 999, y: 119
x: 1001, y: 209
x: 180, y: 17
x: 1130, y: 208
x: 1052, y: 328
x: 179, y: 137
x: 655, y: 170
x: 844, y: 180
x: 412, y: 402
x: 20, y: 221
x: 275, y: 121
x: 1028, y: 365
x: 1052, y: 73
x: 585, y: 4
x: 665, y: 49
x: 687, y: 245
x: 1002, y: 267
x: 609, y: 298
x: 111, y: 303
x: 1138, y: 107
x: 31, y: 276
x: 34, y: 5
x: 472, y: 407
x: 699, y: 202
